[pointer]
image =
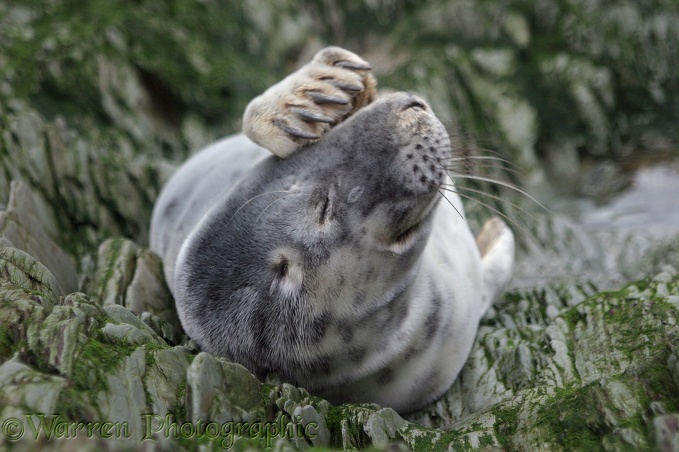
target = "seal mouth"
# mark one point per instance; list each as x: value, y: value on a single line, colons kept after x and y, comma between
x: 405, y: 236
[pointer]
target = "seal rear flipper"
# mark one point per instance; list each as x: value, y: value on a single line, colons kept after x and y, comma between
x: 496, y: 244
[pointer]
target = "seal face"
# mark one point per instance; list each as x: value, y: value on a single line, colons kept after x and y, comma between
x: 338, y: 267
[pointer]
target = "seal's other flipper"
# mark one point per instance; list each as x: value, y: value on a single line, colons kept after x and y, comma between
x: 302, y: 107
x: 496, y: 243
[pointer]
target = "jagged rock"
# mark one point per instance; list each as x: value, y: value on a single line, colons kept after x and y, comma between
x: 27, y: 223
x: 129, y: 328
x: 166, y: 378
x: 163, y: 329
x: 25, y: 390
x: 20, y: 270
x: 124, y: 399
x: 221, y: 391
x: 29, y: 389
x: 131, y: 276
x: 383, y: 426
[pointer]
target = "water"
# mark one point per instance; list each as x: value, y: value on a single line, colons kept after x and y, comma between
x: 650, y: 207
x: 610, y: 243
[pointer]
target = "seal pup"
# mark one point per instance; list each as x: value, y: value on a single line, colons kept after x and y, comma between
x: 337, y: 267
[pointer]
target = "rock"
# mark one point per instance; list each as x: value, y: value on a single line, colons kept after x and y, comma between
x: 163, y: 329
x: 516, y: 26
x: 63, y: 334
x: 115, y: 268
x: 27, y: 388
x: 26, y: 393
x: 130, y: 276
x: 124, y: 399
x: 126, y: 334
x: 220, y: 391
x: 166, y: 379
x: 22, y: 271
x: 148, y: 291
x: 129, y: 324
x: 383, y: 426
x: 598, y: 397
x: 312, y: 424
x: 28, y: 224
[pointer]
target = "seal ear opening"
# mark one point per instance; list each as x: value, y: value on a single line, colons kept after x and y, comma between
x: 282, y: 267
x: 288, y: 274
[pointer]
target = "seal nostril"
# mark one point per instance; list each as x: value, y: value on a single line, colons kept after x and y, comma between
x: 416, y: 105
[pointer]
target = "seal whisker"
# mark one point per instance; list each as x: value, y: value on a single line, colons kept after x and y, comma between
x: 457, y: 162
x: 483, y: 157
x: 504, y: 184
x: 494, y: 210
x: 523, y: 229
x: 271, y: 204
x: 252, y: 199
x: 449, y: 202
x: 447, y: 188
x: 462, y: 163
x: 497, y: 198
x: 484, y: 150
x: 465, y: 153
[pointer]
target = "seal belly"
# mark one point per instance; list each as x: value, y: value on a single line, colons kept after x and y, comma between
x: 426, y: 353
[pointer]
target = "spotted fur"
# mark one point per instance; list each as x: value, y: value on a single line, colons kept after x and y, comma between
x: 338, y: 267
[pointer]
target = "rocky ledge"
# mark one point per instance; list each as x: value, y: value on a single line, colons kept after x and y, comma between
x: 561, y: 366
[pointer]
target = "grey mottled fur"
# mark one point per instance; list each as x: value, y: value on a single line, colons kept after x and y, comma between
x: 305, y: 266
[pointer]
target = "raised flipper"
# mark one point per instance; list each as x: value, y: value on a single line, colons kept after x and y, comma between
x: 302, y: 107
x: 496, y: 243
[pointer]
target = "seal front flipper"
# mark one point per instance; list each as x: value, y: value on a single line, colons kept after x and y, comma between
x: 302, y: 107
x: 496, y: 244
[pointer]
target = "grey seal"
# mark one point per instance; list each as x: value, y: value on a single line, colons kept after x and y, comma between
x: 338, y: 267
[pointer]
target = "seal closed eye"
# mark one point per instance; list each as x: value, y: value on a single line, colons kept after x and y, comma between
x: 337, y: 267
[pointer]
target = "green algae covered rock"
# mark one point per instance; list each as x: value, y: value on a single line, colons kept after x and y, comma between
x: 596, y: 374
x: 100, y: 101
